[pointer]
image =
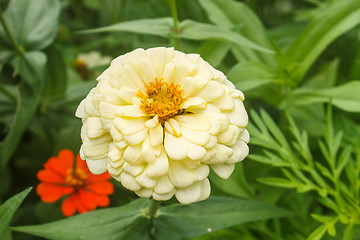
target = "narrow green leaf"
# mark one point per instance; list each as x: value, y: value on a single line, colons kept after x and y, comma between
x: 125, y: 222
x: 7, y: 209
x: 201, y: 31
x: 349, y: 232
x: 250, y: 75
x: 31, y: 69
x: 33, y: 23
x: 274, y: 129
x: 186, y: 221
x: 345, y: 96
x: 56, y: 75
x: 277, y: 182
x: 214, y: 51
x: 156, y: 26
x: 327, y: 26
x: 231, y: 15
x: 318, y: 233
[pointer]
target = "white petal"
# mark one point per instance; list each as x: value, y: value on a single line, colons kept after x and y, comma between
x: 115, y: 155
x: 189, y: 194
x: 223, y: 153
x: 127, y: 94
x: 168, y: 72
x: 175, y: 147
x: 201, y: 173
x: 245, y: 136
x: 137, y: 137
x: 225, y: 102
x: 173, y: 127
x: 163, y: 186
x: 89, y: 106
x: 133, y: 170
x: 164, y: 197
x: 146, y: 71
x: 179, y: 175
x: 132, y: 77
x: 200, y: 138
x: 241, y: 150
x: 132, y: 154
x: 205, y: 189
x: 230, y: 136
x: 80, y: 111
x: 106, y: 123
x: 193, y: 121
x: 189, y: 86
x: 212, y: 142
x: 223, y: 170
x: 129, y: 126
x: 152, y: 123
x: 94, y: 127
x: 179, y: 74
x: 211, y: 91
x: 159, y: 167
x: 160, y: 56
x: 129, y: 182
x: 193, y: 103
x: 131, y: 111
x: 195, y: 152
x: 114, y: 172
x: 97, y: 166
x: 191, y: 164
x: 144, y: 192
x: 156, y: 135
x: 108, y: 110
x: 96, y: 148
x: 116, y: 134
x: 238, y: 115
x: 144, y: 180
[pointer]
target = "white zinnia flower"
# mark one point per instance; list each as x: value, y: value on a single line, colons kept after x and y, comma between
x: 158, y: 119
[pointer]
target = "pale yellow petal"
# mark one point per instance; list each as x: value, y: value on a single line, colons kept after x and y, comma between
x: 129, y: 126
x: 193, y: 122
x: 163, y: 185
x: 225, y: 102
x: 97, y: 148
x: 205, y: 189
x: 129, y: 182
x: 108, y: 109
x: 127, y: 94
x: 137, y: 137
x: 200, y: 138
x: 132, y: 154
x: 94, y: 128
x: 144, y: 192
x: 164, y: 197
x: 80, y: 111
x: 175, y: 147
x: 189, y: 194
x: 133, y: 170
x: 195, y: 152
x: 211, y: 91
x: 172, y: 127
x: 159, y: 167
x: 223, y: 170
x: 179, y: 175
x: 194, y: 103
x: 144, y: 180
x: 97, y: 166
x: 156, y: 135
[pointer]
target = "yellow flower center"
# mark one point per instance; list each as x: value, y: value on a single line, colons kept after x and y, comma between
x: 162, y: 99
x: 77, y: 179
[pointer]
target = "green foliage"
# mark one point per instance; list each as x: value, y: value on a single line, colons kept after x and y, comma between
x: 8, y: 208
x: 170, y: 222
x: 301, y: 171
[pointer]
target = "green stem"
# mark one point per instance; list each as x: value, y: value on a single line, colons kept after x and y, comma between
x: 153, y: 207
x: 10, y: 36
x: 174, y: 14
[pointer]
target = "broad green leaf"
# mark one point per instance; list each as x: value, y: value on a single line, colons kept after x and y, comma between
x: 250, y: 75
x: 214, y: 51
x: 31, y: 69
x: 156, y: 26
x: 345, y: 96
x: 277, y: 182
x: 326, y: 27
x: 56, y: 75
x: 186, y: 221
x: 326, y: 77
x: 231, y: 15
x: 125, y: 222
x: 7, y: 209
x: 200, y: 31
x: 33, y: 23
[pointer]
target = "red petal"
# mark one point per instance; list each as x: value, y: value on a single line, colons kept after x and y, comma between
x: 98, y: 178
x: 59, y: 166
x: 50, y: 176
x: 102, y: 200
x: 104, y: 187
x: 68, y: 207
x: 88, y: 199
x: 51, y: 192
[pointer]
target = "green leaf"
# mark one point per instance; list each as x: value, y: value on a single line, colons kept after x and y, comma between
x: 200, y: 31
x: 318, y: 233
x: 326, y: 27
x: 231, y: 15
x: 31, y: 69
x: 214, y: 51
x: 156, y: 26
x: 250, y: 75
x: 125, y: 222
x: 33, y: 23
x: 7, y: 209
x: 345, y: 96
x: 186, y: 221
x: 56, y: 75
x: 277, y: 182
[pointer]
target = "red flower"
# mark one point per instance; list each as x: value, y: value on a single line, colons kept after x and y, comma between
x: 85, y: 190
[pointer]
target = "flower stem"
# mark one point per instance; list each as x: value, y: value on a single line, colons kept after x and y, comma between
x: 19, y: 50
x: 176, y: 29
x: 153, y: 207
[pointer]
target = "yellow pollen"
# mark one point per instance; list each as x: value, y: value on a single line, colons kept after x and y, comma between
x: 76, y: 180
x: 162, y: 99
